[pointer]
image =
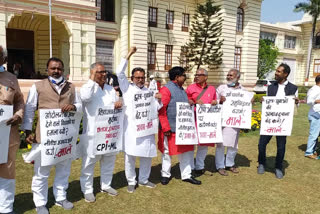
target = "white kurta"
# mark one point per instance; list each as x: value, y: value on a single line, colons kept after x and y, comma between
x: 135, y: 146
x: 92, y: 96
x: 230, y: 135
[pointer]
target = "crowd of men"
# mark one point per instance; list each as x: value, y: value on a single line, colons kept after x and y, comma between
x: 56, y: 92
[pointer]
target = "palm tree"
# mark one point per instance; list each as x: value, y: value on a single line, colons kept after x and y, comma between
x: 313, y: 8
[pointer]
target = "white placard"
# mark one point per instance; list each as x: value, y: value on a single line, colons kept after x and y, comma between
x: 209, y: 123
x: 277, y: 116
x: 6, y: 112
x: 59, y: 134
x: 145, y: 113
x: 108, y: 130
x: 237, y: 109
x: 186, y: 133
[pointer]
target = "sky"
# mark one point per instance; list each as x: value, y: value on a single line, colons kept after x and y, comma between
x: 273, y: 11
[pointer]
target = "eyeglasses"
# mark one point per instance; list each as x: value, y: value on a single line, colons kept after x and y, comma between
x: 101, y: 72
x: 139, y: 78
x: 184, y: 75
x: 200, y: 75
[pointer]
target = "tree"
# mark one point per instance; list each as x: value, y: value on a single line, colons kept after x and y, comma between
x: 313, y: 8
x: 204, y: 45
x: 267, y: 59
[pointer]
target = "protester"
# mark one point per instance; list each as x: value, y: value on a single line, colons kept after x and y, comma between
x: 201, y: 93
x: 282, y: 87
x: 51, y: 93
x: 230, y: 135
x: 313, y: 99
x: 94, y: 94
x: 10, y: 94
x: 153, y: 85
x: 172, y: 93
x: 142, y: 147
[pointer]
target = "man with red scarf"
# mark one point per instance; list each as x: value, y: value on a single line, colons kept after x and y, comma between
x: 172, y: 93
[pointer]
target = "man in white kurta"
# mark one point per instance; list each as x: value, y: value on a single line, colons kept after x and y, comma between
x: 143, y: 147
x: 230, y: 135
x: 94, y: 94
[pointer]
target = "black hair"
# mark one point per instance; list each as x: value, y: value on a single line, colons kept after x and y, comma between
x: 286, y: 68
x: 55, y: 59
x: 176, y: 71
x: 137, y: 69
x: 317, y: 79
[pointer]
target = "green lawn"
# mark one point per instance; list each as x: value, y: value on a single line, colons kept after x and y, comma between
x: 246, y: 192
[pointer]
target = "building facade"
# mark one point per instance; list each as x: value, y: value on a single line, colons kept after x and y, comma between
x: 85, y: 31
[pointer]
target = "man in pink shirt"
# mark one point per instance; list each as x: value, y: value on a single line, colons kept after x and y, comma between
x: 201, y: 93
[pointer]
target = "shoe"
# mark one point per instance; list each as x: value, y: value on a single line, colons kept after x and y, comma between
x: 131, y: 188
x: 313, y: 156
x: 199, y: 172
x: 89, y: 198
x: 148, y: 184
x: 315, y: 153
x: 65, y: 204
x: 233, y: 169
x: 192, y: 180
x: 164, y: 180
x: 279, y: 174
x: 110, y: 191
x: 261, y: 169
x: 42, y: 210
x: 222, y: 172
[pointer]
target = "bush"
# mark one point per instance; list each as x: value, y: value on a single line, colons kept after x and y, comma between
x: 303, y: 89
x: 302, y: 96
x: 257, y: 97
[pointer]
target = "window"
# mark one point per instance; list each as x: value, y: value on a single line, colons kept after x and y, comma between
x: 237, y: 58
x: 153, y: 16
x: 152, y: 56
x: 183, y: 58
x: 104, y: 53
x: 316, y: 67
x: 106, y: 12
x: 185, y: 22
x: 290, y: 42
x: 168, y: 57
x: 317, y: 40
x: 240, y: 18
x: 269, y: 36
x: 169, y: 19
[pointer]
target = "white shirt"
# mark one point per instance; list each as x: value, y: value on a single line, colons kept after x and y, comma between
x: 142, y: 146
x: 93, y: 97
x: 32, y: 102
x: 153, y: 85
x: 312, y: 96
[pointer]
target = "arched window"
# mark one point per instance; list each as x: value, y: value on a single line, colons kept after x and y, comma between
x: 317, y: 40
x: 240, y: 18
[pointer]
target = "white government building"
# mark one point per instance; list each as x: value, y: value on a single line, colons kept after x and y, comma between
x: 85, y: 31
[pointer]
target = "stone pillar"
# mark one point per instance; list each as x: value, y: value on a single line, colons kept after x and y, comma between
x: 124, y: 29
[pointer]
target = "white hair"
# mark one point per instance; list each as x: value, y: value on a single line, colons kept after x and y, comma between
x: 236, y: 70
x: 204, y: 71
x: 4, y: 51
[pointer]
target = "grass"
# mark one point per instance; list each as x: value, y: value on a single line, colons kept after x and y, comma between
x: 246, y: 192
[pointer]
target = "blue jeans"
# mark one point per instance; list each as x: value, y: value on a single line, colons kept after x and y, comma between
x: 313, y: 134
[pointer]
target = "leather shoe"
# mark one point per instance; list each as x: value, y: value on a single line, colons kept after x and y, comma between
x: 192, y: 180
x: 164, y: 180
x: 199, y: 172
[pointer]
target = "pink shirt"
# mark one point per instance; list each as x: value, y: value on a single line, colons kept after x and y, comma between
x: 195, y: 89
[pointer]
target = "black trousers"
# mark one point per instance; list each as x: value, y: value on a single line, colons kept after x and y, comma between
x: 281, y: 149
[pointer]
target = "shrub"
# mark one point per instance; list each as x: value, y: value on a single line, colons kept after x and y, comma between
x: 302, y: 96
x: 257, y: 97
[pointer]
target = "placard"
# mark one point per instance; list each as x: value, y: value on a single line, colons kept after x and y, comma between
x: 277, y: 116
x: 108, y: 130
x: 145, y: 113
x: 209, y: 123
x: 186, y: 133
x: 59, y: 134
x: 237, y: 109
x: 6, y: 112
